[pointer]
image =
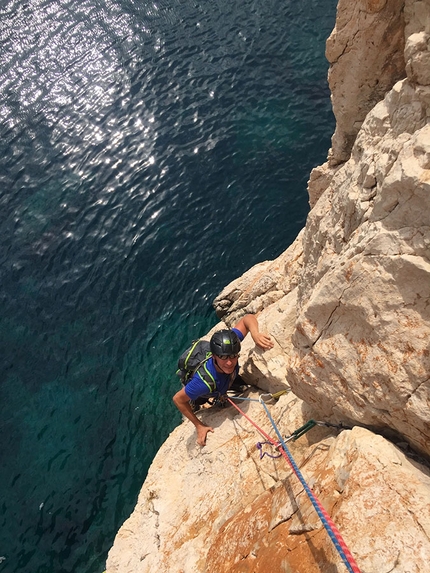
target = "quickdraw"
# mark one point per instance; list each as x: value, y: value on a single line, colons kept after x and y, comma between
x: 311, y: 424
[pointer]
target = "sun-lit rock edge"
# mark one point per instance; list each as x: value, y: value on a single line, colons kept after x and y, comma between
x: 347, y: 307
x: 223, y: 509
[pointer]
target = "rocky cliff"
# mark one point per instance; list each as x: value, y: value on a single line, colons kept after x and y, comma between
x: 348, y: 308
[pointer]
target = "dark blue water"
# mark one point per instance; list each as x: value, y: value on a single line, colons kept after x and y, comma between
x: 151, y: 152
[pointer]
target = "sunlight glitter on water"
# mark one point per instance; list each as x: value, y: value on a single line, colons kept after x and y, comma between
x: 151, y: 152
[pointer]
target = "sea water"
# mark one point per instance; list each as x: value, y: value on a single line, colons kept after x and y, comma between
x: 151, y: 152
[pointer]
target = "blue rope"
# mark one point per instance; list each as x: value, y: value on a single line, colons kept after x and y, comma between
x: 310, y: 494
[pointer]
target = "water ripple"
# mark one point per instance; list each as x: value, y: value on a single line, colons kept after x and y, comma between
x: 152, y: 151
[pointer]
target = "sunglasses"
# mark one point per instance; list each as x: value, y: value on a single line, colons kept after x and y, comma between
x: 227, y: 356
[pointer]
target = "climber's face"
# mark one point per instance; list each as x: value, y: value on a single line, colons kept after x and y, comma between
x: 227, y: 363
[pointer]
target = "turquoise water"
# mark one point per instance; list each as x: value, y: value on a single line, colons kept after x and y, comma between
x: 151, y: 153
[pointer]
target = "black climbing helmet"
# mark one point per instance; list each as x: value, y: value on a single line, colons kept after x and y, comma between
x: 225, y: 342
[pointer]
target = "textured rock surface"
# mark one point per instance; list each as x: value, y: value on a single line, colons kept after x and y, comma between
x: 286, y: 535
x: 261, y: 285
x: 319, y: 180
x: 363, y: 328
x: 365, y: 51
x: 222, y: 509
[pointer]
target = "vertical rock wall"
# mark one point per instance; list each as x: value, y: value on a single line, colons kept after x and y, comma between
x: 365, y: 51
x: 363, y: 319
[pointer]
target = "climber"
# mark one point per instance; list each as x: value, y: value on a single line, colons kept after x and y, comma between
x: 222, y: 368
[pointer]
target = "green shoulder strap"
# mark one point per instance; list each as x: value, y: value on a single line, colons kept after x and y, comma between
x: 206, y: 376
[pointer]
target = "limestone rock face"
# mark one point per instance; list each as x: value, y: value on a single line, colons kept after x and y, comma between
x: 267, y: 369
x: 417, y: 55
x: 363, y: 325
x: 269, y: 535
x: 223, y: 509
x: 319, y: 180
x: 365, y: 51
x: 262, y: 285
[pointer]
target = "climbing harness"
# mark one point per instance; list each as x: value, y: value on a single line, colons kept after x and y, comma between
x: 326, y: 520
